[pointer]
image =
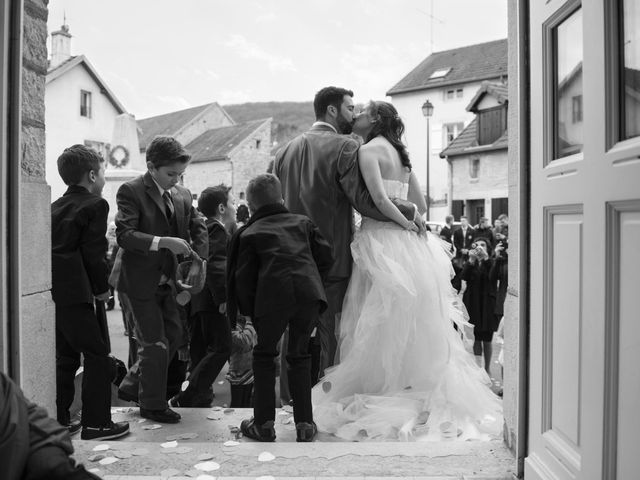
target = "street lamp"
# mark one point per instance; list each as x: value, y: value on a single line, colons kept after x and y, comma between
x: 427, y: 111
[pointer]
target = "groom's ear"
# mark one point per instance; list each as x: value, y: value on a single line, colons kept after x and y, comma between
x: 332, y: 110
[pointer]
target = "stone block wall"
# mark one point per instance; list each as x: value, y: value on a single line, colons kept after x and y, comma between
x: 492, y: 181
x: 37, y: 320
x: 249, y: 161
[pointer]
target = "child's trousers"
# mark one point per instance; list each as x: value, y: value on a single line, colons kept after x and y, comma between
x: 301, y: 320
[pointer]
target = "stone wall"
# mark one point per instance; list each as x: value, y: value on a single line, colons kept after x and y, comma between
x: 492, y: 181
x: 37, y: 324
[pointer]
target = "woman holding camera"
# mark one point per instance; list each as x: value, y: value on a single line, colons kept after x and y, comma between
x: 479, y: 296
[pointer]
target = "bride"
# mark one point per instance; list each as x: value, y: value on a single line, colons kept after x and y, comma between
x: 404, y: 372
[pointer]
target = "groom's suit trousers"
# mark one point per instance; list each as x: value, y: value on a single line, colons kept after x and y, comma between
x: 329, y: 324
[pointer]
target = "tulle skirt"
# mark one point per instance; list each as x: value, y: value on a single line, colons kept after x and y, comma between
x: 404, y: 372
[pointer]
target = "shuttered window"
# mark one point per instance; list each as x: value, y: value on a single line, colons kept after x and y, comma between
x: 492, y: 123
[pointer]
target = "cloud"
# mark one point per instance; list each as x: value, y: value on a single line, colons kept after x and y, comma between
x: 175, y: 101
x: 375, y: 68
x: 247, y: 49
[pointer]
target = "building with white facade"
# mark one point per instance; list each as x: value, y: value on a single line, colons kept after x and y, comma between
x: 79, y: 107
x: 449, y: 80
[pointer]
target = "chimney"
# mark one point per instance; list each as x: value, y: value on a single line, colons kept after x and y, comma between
x: 60, y: 46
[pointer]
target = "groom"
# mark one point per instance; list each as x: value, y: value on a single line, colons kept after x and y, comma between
x: 321, y: 179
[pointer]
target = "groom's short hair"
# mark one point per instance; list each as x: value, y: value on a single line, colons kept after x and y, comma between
x: 329, y: 96
x: 263, y: 190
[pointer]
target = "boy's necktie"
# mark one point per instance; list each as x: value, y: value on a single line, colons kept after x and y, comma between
x: 168, y: 204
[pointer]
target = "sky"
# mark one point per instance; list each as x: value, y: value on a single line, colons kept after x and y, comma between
x: 159, y: 56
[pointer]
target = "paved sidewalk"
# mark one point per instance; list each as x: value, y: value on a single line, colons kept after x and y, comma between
x: 200, y: 441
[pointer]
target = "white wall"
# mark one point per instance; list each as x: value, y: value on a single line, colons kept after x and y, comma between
x: 64, y: 124
x: 409, y: 106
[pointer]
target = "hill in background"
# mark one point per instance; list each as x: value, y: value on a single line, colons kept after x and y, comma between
x: 289, y: 118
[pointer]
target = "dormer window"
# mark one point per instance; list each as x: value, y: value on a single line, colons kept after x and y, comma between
x: 440, y: 73
x: 85, y: 104
x: 492, y: 123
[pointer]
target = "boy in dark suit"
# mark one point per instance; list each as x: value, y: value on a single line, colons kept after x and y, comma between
x: 79, y: 273
x: 155, y: 222
x: 210, y: 344
x: 275, y: 268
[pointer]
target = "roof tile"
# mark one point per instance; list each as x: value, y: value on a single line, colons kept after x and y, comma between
x: 217, y: 143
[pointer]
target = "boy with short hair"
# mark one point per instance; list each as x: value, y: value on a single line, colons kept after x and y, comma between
x: 210, y: 343
x: 156, y: 222
x: 276, y: 263
x: 79, y: 274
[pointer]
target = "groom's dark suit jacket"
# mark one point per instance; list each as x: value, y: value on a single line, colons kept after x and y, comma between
x: 321, y: 179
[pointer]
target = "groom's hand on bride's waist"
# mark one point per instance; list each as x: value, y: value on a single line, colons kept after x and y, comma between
x: 410, y: 212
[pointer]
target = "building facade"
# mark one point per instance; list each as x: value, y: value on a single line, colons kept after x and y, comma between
x: 477, y: 158
x: 449, y: 80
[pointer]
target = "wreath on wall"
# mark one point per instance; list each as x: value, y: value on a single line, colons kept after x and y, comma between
x: 119, y: 156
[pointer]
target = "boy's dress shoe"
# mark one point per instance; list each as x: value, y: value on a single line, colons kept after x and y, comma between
x: 74, y: 427
x: 261, y: 433
x: 163, y: 416
x: 183, y: 400
x: 108, y: 432
x: 306, y: 432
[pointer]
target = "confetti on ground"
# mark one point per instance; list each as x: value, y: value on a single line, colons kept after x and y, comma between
x: 97, y: 457
x: 233, y: 428
x: 288, y: 408
x: 204, y: 457
x: 172, y: 437
x: 108, y: 461
x: 182, y: 450
x: 194, y: 473
x: 101, y: 448
x: 139, y: 452
x: 225, y: 405
x: 229, y: 410
x: 326, y: 387
x: 221, y: 382
x: 122, y: 454
x: 169, y: 472
x: 94, y: 470
x: 286, y: 420
x: 169, y: 444
x: 266, y: 457
x: 207, y: 466
x: 231, y: 443
x: 153, y: 426
x: 282, y: 412
x: 142, y: 420
x: 214, y: 416
x: 216, y: 409
x: 188, y: 436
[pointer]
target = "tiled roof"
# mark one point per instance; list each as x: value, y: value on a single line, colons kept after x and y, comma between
x: 217, y: 143
x: 71, y: 62
x: 167, y: 124
x: 472, y: 63
x: 464, y: 143
x: 498, y: 90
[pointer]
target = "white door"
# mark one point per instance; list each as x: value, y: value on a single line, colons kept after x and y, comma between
x: 584, y: 378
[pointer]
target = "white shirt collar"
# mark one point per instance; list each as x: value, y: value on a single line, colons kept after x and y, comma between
x: 160, y: 189
x: 318, y: 123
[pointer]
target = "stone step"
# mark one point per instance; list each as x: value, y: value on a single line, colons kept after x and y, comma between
x: 327, y: 458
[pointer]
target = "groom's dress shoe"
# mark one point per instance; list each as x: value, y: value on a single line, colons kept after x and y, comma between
x: 261, y: 433
x: 306, y: 432
x: 162, y: 416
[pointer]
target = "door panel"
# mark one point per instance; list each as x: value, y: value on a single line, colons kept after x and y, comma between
x: 584, y: 380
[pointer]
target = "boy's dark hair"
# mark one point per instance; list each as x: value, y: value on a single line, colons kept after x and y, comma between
x: 329, y: 96
x: 76, y: 161
x: 164, y: 150
x: 264, y: 190
x: 211, y: 197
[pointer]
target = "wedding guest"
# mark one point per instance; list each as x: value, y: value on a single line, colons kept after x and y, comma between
x: 242, y: 215
x: 447, y: 231
x: 154, y: 224
x: 210, y: 343
x: 478, y: 294
x: 33, y: 446
x: 484, y: 230
x: 275, y: 270
x: 79, y: 273
x: 240, y: 373
x: 504, y: 227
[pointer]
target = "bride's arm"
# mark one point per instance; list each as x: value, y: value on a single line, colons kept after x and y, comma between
x: 373, y: 179
x: 415, y: 194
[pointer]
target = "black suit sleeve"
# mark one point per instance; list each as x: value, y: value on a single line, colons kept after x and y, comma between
x: 198, y: 231
x: 321, y: 250
x: 93, y: 247
x: 246, y: 276
x: 217, y: 264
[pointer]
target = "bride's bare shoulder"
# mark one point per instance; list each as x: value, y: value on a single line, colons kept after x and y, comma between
x: 374, y: 147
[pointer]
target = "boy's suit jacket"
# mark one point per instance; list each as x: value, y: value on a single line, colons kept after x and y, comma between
x: 276, y: 261
x: 215, y: 290
x: 141, y: 216
x: 461, y: 242
x: 78, y: 246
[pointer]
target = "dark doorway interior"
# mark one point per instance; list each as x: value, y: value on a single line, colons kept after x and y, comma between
x: 498, y: 207
x: 475, y: 210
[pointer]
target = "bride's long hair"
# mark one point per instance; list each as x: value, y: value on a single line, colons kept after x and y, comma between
x: 389, y: 125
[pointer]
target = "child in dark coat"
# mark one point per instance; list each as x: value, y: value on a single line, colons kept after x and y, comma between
x: 240, y: 373
x: 275, y: 267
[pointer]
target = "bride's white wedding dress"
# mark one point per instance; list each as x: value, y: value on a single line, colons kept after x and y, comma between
x: 404, y: 372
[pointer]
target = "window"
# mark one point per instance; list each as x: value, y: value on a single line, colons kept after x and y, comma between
x: 85, y: 104
x: 450, y: 94
x: 451, y: 131
x: 576, y: 109
x: 258, y: 141
x: 474, y: 167
x: 440, y: 73
x: 492, y: 123
x: 630, y: 69
x: 459, y: 93
x: 568, y: 54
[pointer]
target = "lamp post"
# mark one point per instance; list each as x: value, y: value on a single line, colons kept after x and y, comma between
x: 427, y: 111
